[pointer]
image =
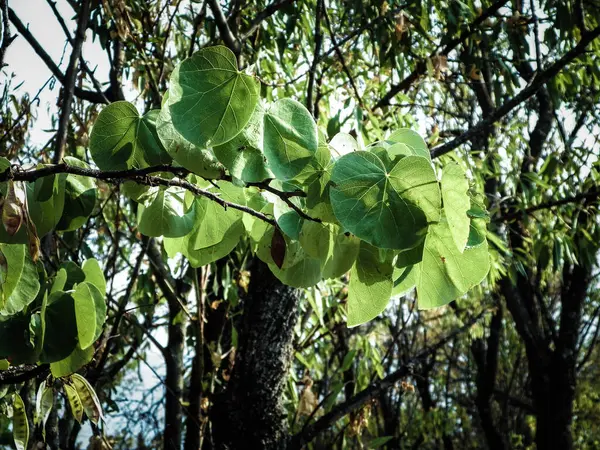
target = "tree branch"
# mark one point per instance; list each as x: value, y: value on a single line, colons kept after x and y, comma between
x: 263, y: 15
x: 421, y: 66
x: 69, y: 83
x: 83, y: 94
x: 309, y: 432
x: 226, y: 34
x: 5, y: 38
x: 537, y: 82
x: 142, y: 176
x: 590, y: 196
x: 19, y: 374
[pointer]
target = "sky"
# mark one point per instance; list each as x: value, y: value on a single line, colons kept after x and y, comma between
x: 30, y: 69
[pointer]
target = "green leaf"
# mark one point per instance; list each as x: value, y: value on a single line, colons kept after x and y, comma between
x: 59, y: 327
x: 290, y: 138
x: 405, y: 279
x: 93, y: 274
x: 342, y: 144
x: 46, y: 201
x: 4, y: 164
x: 388, y: 209
x: 80, y: 198
x: 20, y: 285
x: 15, y: 339
x: 212, y: 220
x: 445, y: 273
x: 477, y: 232
x: 163, y: 213
x: 85, y: 313
x: 76, y: 360
x: 200, y: 161
x: 122, y: 139
x: 243, y: 155
x: 206, y: 255
x: 327, y: 243
x: 209, y: 99
x: 304, y: 273
x: 75, y: 275
x: 415, y: 145
x: 456, y: 203
x: 20, y: 423
x: 370, y: 285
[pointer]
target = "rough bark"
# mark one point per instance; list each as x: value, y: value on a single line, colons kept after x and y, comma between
x: 486, y: 359
x: 250, y: 413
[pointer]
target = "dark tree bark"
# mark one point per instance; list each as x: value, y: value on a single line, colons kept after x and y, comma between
x: 486, y: 359
x: 250, y: 413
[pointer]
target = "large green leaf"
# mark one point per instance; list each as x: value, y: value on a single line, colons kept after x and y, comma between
x: 122, y: 139
x: 370, y: 285
x: 163, y: 213
x: 304, y: 273
x: 80, y: 198
x: 20, y: 283
x: 456, y: 203
x: 386, y: 208
x: 445, y: 273
x: 16, y: 339
x: 290, y: 138
x: 206, y: 255
x: 210, y: 100
x: 243, y: 155
x: 325, y: 242
x: 212, y: 220
x: 93, y: 274
x: 198, y: 160
x: 85, y: 313
x: 46, y: 201
x: 76, y: 360
x: 411, y: 143
x: 59, y: 327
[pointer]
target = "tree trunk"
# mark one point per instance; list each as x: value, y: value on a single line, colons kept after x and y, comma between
x: 174, y: 377
x: 250, y: 414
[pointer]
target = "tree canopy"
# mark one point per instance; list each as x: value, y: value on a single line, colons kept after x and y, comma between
x: 302, y: 224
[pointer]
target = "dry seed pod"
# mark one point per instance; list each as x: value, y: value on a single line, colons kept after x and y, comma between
x: 12, y: 211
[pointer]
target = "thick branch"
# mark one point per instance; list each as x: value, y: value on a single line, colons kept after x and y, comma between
x: 541, y: 79
x: 20, y: 374
x: 226, y: 34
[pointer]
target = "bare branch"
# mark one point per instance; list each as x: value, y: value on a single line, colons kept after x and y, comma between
x: 69, y: 83
x: 226, y: 34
